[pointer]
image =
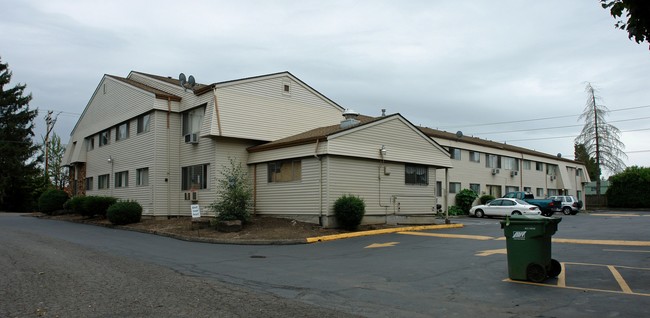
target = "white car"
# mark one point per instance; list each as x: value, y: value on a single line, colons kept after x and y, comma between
x: 503, y: 207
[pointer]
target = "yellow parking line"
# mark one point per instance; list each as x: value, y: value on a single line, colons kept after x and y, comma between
x: 628, y: 251
x: 614, y: 214
x: 601, y: 242
x: 561, y: 279
x: 458, y: 236
x: 382, y: 231
x: 619, y: 279
x: 575, y: 288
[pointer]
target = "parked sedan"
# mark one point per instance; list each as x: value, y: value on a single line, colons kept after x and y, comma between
x: 503, y: 207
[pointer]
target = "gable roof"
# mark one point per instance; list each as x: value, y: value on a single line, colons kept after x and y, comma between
x: 158, y: 93
x: 201, y: 89
x: 488, y: 143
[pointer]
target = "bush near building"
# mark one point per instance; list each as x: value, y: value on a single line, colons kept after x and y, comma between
x: 52, y: 200
x: 630, y: 188
x: 124, y: 212
x: 349, y: 211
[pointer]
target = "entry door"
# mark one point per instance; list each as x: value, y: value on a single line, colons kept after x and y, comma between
x: 494, y: 190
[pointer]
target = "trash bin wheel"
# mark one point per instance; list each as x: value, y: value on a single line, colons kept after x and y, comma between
x: 556, y: 268
x: 535, y: 273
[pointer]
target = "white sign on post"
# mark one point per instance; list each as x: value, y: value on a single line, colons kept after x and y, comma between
x: 196, y: 211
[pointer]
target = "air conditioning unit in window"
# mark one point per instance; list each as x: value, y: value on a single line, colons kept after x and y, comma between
x: 552, y: 177
x: 495, y: 171
x: 514, y: 173
x: 192, y: 138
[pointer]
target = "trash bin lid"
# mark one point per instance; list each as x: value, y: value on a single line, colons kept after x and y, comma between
x: 528, y: 219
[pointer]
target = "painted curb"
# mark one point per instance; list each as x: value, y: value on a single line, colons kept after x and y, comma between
x: 382, y: 231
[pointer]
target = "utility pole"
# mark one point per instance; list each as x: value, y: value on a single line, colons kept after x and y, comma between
x: 593, y: 99
x: 50, y: 125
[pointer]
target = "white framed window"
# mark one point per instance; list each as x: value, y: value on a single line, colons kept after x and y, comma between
x: 551, y: 170
x: 439, y: 188
x: 510, y: 163
x: 492, y: 161
x: 194, y: 177
x: 511, y: 189
x: 454, y: 187
x: 142, y: 177
x: 528, y: 190
x: 122, y: 179
x: 552, y: 192
x: 284, y: 171
x: 455, y: 153
x: 122, y: 131
x: 90, y: 143
x: 192, y: 120
x: 539, y: 166
x: 89, y: 183
x: 539, y: 193
x: 143, y: 123
x: 103, y: 181
x: 526, y: 164
x: 474, y: 156
x: 476, y: 187
x: 416, y: 174
x: 105, y: 137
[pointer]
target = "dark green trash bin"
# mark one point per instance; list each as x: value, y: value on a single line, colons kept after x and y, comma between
x: 528, y: 240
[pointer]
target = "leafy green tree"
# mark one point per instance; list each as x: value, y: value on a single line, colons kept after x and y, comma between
x: 637, y: 13
x: 234, y: 193
x: 600, y: 139
x: 465, y: 198
x: 18, y: 154
x: 630, y: 188
x: 55, y: 151
x: 581, y: 154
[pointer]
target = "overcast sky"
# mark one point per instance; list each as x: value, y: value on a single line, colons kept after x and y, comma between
x: 486, y: 68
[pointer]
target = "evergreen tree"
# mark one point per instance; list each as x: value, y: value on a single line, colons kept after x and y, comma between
x: 581, y: 154
x: 18, y: 154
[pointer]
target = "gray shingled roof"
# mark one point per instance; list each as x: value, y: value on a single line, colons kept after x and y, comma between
x: 159, y: 94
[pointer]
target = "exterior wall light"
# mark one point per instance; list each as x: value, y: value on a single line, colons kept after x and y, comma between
x: 110, y: 159
x: 383, y: 151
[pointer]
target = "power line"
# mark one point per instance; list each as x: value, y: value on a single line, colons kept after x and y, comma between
x: 568, y: 136
x: 536, y: 119
x: 556, y: 127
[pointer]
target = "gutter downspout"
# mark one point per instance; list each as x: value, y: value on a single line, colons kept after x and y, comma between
x: 169, y: 155
x: 320, y: 184
x: 254, y: 189
x: 447, y: 196
x: 216, y: 109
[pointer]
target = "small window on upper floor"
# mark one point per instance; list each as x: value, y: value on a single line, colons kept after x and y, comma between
x: 122, y: 131
x: 455, y: 153
x: 90, y: 143
x: 474, y: 156
x: 143, y: 123
x: 104, y: 137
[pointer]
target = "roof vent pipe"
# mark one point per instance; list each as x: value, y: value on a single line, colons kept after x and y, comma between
x: 383, y: 112
x: 350, y: 118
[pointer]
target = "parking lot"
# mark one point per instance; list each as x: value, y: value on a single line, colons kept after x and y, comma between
x: 453, y: 272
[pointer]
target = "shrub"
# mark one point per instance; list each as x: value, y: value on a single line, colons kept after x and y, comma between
x: 124, y: 212
x: 349, y: 211
x: 630, y: 188
x: 464, y: 199
x: 74, y: 204
x: 52, y: 200
x: 235, y: 193
x: 454, y: 210
x: 486, y: 198
x: 96, y: 205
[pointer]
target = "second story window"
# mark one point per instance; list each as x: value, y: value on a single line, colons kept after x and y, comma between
x: 122, y: 131
x: 455, y: 153
x: 492, y: 161
x: 143, y: 123
x: 192, y: 120
x: 474, y: 156
x: 104, y: 137
x: 90, y: 143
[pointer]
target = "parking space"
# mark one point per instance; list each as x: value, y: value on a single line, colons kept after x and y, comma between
x: 592, y: 261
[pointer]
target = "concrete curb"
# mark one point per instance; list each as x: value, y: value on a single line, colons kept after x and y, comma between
x: 271, y: 242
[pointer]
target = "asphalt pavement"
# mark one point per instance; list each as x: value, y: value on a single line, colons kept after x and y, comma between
x: 452, y: 272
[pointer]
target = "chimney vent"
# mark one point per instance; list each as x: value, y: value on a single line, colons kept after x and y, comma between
x: 383, y: 112
x: 350, y: 118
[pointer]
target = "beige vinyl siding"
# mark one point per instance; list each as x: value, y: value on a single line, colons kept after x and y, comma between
x: 259, y: 110
x: 361, y: 177
x: 294, y: 197
x: 166, y: 149
x: 466, y: 172
x: 305, y: 150
x: 402, y: 143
